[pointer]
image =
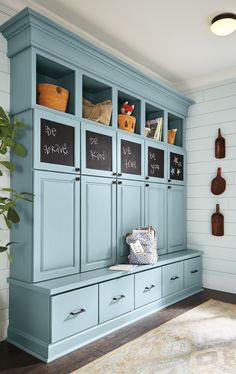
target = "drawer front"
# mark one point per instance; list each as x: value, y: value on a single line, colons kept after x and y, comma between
x: 74, y: 311
x: 172, y: 278
x: 116, y: 297
x: 192, y: 272
x: 147, y: 287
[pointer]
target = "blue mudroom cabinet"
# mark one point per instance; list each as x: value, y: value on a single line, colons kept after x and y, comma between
x: 93, y: 182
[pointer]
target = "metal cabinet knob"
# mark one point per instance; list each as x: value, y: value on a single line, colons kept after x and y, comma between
x: 77, y: 169
x: 194, y: 271
x: 149, y: 288
x: 119, y: 174
x: 77, y: 178
x: 119, y: 182
x: 147, y: 178
x: 174, y: 278
x: 147, y: 185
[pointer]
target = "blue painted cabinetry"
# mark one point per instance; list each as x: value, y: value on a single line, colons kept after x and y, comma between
x: 56, y: 246
x: 92, y: 184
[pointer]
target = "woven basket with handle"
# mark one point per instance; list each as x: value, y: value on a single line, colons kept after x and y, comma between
x: 52, y: 96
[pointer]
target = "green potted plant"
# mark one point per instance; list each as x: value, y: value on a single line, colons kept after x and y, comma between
x: 9, y: 196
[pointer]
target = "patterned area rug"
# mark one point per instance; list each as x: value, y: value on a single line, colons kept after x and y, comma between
x: 202, y: 340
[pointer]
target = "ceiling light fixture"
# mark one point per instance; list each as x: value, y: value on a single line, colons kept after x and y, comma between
x: 223, y: 24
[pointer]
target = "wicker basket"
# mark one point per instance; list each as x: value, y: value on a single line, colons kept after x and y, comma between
x: 52, y: 96
x: 171, y: 136
x: 126, y: 122
x: 100, y: 112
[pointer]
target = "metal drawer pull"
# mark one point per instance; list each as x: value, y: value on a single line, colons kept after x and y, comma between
x: 78, y: 312
x: 174, y: 278
x: 116, y: 298
x: 194, y: 271
x: 149, y: 288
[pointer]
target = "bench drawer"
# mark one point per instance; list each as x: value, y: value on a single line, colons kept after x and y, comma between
x: 147, y: 287
x: 116, y: 297
x: 74, y: 311
x: 192, y: 272
x: 172, y: 278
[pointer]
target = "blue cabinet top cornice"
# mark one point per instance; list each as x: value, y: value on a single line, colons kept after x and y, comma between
x: 30, y: 29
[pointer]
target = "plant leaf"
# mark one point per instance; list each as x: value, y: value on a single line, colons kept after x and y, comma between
x: 9, y: 189
x: 20, y: 125
x: 3, y: 115
x: 9, y: 165
x: 20, y: 150
x: 12, y: 215
x: 8, y: 223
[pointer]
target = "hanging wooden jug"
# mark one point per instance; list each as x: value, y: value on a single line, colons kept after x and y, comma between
x: 218, y: 184
x: 220, y: 146
x: 217, y: 222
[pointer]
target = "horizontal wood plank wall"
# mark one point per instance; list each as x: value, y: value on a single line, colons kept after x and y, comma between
x: 4, y: 180
x: 215, y: 108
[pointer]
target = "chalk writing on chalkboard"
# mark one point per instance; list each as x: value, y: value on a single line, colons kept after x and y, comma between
x: 155, y: 162
x: 57, y: 143
x: 130, y: 157
x: 176, y: 166
x: 98, y: 151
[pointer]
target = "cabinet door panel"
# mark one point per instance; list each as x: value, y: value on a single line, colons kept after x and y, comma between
x: 56, y: 142
x: 56, y: 225
x: 155, y: 162
x: 130, y: 213
x: 130, y: 156
x: 155, y: 212
x: 98, y: 223
x: 98, y: 150
x: 176, y: 165
x: 176, y: 218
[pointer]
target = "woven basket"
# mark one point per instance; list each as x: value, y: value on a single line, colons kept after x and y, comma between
x: 52, y: 96
x: 171, y: 136
x: 126, y: 122
x: 100, y: 112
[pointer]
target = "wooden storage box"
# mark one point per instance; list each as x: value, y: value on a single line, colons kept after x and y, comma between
x: 52, y: 96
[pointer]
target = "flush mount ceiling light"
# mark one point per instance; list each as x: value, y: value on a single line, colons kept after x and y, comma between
x: 223, y: 24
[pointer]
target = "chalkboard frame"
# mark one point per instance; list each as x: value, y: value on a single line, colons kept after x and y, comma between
x: 103, y: 130
x: 121, y: 135
x: 178, y: 151
x: 60, y: 119
x: 158, y: 145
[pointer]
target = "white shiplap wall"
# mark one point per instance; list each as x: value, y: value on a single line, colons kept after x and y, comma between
x: 215, y: 108
x: 4, y: 180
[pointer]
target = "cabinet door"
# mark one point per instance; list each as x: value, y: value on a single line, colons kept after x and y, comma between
x: 56, y: 225
x: 155, y: 212
x: 176, y: 218
x: 98, y: 150
x: 176, y: 165
x: 98, y: 222
x: 56, y: 142
x: 130, y: 156
x: 155, y: 162
x: 130, y: 213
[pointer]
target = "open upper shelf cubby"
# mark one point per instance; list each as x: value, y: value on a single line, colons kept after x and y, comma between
x: 154, y: 122
x: 124, y: 97
x: 97, y: 101
x: 48, y: 71
x: 175, y: 123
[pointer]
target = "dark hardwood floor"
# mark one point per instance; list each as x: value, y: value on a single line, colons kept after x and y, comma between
x: 13, y: 360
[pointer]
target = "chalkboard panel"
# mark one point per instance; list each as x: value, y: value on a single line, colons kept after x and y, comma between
x: 155, y: 162
x: 176, y: 166
x: 57, y: 143
x: 98, y: 151
x: 130, y: 157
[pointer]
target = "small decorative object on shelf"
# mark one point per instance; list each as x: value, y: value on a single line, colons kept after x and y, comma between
x: 171, y: 136
x: 217, y: 222
x: 52, y: 96
x: 125, y: 120
x: 220, y: 146
x: 218, y: 184
x: 153, y: 128
x: 100, y: 112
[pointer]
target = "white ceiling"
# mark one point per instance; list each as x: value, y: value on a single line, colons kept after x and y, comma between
x: 167, y: 38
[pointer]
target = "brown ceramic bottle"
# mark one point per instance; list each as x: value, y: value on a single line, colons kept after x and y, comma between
x: 220, y: 146
x: 217, y: 222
